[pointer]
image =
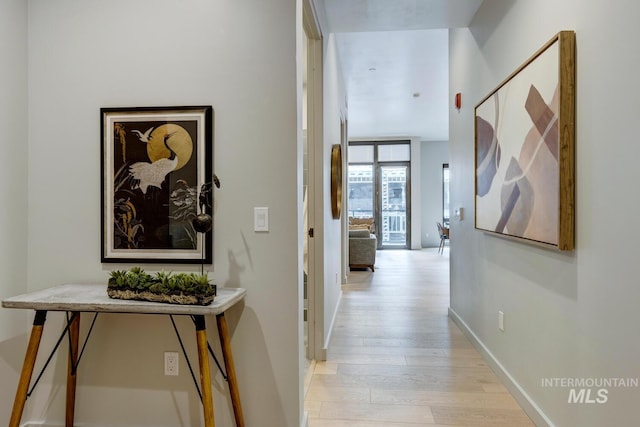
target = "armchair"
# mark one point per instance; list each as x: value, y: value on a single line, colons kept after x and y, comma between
x: 362, y: 249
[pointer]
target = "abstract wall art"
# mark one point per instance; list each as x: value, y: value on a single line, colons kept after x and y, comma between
x: 154, y: 162
x: 524, y: 150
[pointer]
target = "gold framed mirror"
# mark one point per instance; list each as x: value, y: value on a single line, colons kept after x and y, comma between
x: 336, y: 181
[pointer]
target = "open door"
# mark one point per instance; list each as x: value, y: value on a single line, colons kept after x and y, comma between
x: 312, y: 144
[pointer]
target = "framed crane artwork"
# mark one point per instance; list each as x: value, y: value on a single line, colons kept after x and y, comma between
x: 155, y: 160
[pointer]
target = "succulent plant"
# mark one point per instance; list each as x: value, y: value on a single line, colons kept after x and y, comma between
x: 162, y: 282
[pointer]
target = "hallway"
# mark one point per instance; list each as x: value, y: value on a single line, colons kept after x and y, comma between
x: 396, y: 360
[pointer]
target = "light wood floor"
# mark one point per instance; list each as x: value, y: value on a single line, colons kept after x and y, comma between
x: 395, y: 359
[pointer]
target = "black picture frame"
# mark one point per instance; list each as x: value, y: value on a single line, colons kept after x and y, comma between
x: 154, y: 161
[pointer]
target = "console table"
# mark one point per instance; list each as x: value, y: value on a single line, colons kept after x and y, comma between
x: 77, y: 298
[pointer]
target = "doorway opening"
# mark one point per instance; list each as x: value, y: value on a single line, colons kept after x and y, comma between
x: 312, y: 142
x: 379, y: 187
x: 445, y: 194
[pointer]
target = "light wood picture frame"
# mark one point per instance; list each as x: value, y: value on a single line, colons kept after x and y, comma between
x: 525, y: 150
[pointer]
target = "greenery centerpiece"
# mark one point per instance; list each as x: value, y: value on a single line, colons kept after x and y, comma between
x: 174, y: 288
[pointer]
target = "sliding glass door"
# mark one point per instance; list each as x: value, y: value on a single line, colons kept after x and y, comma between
x: 393, y: 206
x: 361, y: 191
x: 379, y: 188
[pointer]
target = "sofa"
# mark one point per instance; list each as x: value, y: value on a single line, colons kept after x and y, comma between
x: 362, y: 248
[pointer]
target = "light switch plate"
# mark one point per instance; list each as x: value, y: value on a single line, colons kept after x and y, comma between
x: 261, y: 219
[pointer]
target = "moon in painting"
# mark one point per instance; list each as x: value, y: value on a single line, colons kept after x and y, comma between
x: 180, y: 142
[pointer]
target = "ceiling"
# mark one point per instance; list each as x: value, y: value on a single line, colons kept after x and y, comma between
x: 395, y: 62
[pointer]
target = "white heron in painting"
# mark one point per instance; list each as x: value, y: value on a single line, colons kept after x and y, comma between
x: 169, y: 148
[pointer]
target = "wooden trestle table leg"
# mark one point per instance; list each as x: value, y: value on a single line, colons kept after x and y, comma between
x: 229, y: 366
x: 205, y: 371
x: 74, y: 334
x: 27, y: 368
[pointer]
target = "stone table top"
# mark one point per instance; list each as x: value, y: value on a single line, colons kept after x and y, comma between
x: 94, y: 298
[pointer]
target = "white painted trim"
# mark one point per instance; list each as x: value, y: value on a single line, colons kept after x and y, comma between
x: 416, y: 194
x: 528, y: 405
x: 315, y: 135
x: 305, y: 419
x: 333, y: 322
x: 46, y: 424
x: 315, y: 198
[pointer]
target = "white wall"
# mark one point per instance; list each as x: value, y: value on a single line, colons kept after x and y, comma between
x: 334, y: 109
x: 13, y: 191
x: 416, y: 193
x: 566, y: 315
x: 433, y: 155
x: 239, y: 57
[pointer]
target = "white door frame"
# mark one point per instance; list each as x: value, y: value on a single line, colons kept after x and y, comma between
x: 314, y: 90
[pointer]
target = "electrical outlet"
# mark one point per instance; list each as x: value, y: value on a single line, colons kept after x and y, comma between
x: 170, y: 363
x: 501, y: 320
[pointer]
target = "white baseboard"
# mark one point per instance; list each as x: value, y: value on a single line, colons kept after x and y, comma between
x: 528, y: 405
x: 331, y: 325
x: 51, y: 424
x: 41, y: 425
